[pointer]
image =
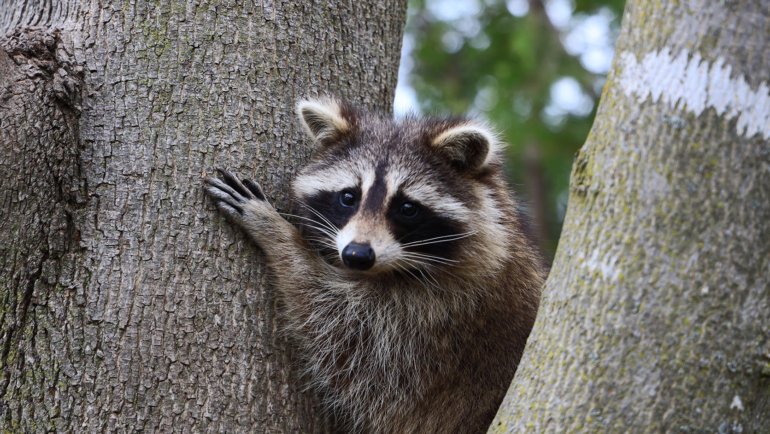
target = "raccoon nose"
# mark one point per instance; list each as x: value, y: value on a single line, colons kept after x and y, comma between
x: 358, y: 256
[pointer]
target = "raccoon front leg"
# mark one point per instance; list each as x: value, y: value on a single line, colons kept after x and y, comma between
x: 244, y: 203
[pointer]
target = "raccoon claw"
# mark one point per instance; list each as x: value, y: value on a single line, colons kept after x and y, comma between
x: 230, y: 194
x: 254, y: 188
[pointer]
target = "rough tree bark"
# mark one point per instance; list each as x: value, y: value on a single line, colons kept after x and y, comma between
x: 656, y: 315
x: 125, y: 301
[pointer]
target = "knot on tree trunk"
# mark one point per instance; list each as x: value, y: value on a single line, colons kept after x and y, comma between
x: 39, y: 53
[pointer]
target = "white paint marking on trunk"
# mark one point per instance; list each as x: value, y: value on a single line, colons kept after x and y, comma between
x: 687, y: 82
x: 737, y: 404
x: 605, y: 265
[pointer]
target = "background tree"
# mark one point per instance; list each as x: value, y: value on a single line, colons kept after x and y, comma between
x: 533, y: 67
x: 125, y: 302
x: 656, y: 313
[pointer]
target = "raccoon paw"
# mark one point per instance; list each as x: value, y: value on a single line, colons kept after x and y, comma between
x: 231, y: 195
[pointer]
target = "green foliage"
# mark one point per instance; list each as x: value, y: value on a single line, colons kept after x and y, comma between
x: 503, y: 69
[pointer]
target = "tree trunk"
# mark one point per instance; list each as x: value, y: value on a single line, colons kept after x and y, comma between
x: 126, y: 302
x: 656, y: 315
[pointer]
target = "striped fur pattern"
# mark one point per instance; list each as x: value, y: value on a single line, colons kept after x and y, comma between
x: 420, y: 327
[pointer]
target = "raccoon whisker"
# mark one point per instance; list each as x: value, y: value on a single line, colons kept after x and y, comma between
x: 399, y: 264
x: 436, y: 240
x: 420, y: 266
x: 402, y: 268
x: 331, y: 231
x: 428, y: 262
x: 431, y: 258
x: 331, y: 256
x: 432, y: 266
x: 324, y: 249
x: 322, y: 233
x: 320, y: 223
x: 425, y: 271
x: 323, y: 241
x: 444, y: 270
x: 321, y: 216
x: 298, y: 216
x: 321, y: 229
x: 439, y: 239
x: 406, y: 270
x: 324, y: 221
x: 429, y: 277
x: 316, y: 237
x: 414, y: 262
x: 325, y: 246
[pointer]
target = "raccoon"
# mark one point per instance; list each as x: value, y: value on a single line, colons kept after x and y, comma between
x: 407, y: 281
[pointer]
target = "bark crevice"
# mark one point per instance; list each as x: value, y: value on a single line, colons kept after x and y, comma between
x: 39, y: 52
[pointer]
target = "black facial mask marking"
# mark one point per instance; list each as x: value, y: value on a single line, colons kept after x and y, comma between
x: 424, y: 225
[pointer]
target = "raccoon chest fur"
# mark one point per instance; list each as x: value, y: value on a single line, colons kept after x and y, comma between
x: 404, y: 276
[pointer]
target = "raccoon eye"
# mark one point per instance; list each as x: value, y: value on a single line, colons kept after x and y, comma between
x: 408, y: 209
x: 347, y: 199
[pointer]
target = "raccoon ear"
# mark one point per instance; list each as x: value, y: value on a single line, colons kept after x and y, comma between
x: 324, y: 119
x: 469, y: 146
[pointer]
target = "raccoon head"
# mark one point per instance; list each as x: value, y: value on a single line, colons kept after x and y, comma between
x: 397, y: 196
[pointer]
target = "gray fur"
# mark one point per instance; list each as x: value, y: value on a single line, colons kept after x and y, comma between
x: 431, y: 350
